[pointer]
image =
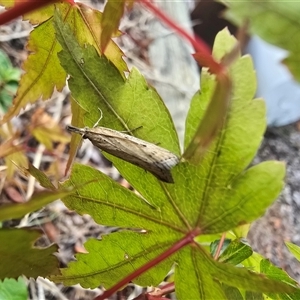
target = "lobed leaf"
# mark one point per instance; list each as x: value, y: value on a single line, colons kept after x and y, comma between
x: 102, y: 266
x: 193, y: 279
x: 212, y: 197
x: 273, y: 272
x: 111, y: 204
x: 208, y: 274
x: 258, y: 263
x: 18, y: 251
x: 43, y: 71
x: 225, y: 193
x: 129, y: 105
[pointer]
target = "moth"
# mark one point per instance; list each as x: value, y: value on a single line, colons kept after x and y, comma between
x: 148, y: 156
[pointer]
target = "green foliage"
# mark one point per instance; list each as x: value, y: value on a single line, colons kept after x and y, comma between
x: 11, y: 289
x: 281, y: 25
x: 232, y: 293
x: 258, y: 263
x: 125, y: 104
x: 112, y: 15
x: 235, y: 253
x: 9, y: 78
x: 273, y: 272
x: 253, y: 296
x: 163, y: 226
x: 295, y: 250
x: 22, y: 258
x: 38, y: 201
x: 43, y: 71
x: 210, y: 198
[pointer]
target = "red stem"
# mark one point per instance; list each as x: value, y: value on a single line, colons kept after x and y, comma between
x: 24, y: 7
x: 217, y: 254
x: 187, y: 239
x: 197, y: 43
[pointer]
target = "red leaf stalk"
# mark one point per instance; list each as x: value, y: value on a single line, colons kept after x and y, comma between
x: 24, y: 7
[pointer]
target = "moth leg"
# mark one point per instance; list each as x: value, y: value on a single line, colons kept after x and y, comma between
x: 132, y: 130
x: 98, y: 121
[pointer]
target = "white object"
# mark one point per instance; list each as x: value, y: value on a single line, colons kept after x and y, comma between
x: 275, y: 83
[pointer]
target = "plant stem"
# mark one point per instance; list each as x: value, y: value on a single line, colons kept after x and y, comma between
x: 221, y: 243
x: 24, y: 7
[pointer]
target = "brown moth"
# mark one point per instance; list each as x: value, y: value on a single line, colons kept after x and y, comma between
x: 148, y: 156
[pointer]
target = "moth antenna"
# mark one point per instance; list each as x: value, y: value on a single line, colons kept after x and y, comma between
x: 98, y: 121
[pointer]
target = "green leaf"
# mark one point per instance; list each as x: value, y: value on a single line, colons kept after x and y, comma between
x: 221, y: 175
x: 86, y: 24
x: 212, y: 120
x: 41, y: 177
x: 294, y: 249
x: 215, y: 244
x: 112, y: 15
x: 257, y: 185
x: 39, y: 200
x: 9, y: 78
x: 258, y: 263
x: 206, y: 271
x: 196, y: 282
x: 130, y: 250
x: 232, y: 293
x: 253, y: 296
x: 247, y: 280
x: 277, y: 22
x: 125, y: 104
x: 11, y: 289
x: 5, y: 64
x: 108, y: 198
x: 43, y: 71
x: 17, y: 246
x: 235, y: 253
x: 215, y: 196
x: 110, y: 204
x: 6, y: 95
x: 253, y: 262
x: 97, y: 85
x: 276, y: 273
